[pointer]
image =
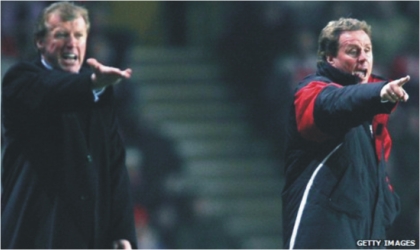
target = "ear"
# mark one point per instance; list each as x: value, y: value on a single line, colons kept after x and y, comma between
x: 39, y: 44
x: 330, y: 60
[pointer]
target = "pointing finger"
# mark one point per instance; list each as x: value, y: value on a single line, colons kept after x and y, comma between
x: 403, y: 81
x: 126, y: 73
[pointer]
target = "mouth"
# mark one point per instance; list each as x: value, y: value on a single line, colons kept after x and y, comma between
x: 361, y: 74
x: 69, y: 57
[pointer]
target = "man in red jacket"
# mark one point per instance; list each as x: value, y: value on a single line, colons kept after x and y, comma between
x: 64, y: 179
x: 337, y: 191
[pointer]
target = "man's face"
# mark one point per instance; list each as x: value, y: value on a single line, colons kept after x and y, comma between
x: 354, y: 54
x: 64, y: 45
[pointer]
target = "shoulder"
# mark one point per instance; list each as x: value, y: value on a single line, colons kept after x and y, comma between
x: 34, y: 64
x: 376, y: 78
x: 22, y: 67
x: 313, y: 80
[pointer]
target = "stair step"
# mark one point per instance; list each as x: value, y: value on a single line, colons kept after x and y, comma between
x: 150, y: 55
x: 222, y: 147
x: 197, y: 90
x: 248, y: 226
x: 263, y: 242
x: 269, y: 206
x: 237, y: 187
x: 238, y: 167
x: 176, y: 72
x: 200, y: 129
x: 202, y: 110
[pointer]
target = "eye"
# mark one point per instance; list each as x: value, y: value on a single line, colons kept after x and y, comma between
x: 353, y: 52
x: 60, y: 35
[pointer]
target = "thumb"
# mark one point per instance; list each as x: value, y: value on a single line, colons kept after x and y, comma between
x: 93, y: 62
x: 403, y: 81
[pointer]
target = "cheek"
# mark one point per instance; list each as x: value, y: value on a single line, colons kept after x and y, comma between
x: 81, y: 45
x: 349, y: 64
x: 343, y: 64
x: 370, y: 59
x: 53, y: 47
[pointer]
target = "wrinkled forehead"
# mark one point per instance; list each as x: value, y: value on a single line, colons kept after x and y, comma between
x: 55, y: 19
x: 355, y: 38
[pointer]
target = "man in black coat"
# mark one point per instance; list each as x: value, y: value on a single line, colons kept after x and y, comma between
x: 337, y: 192
x: 65, y: 184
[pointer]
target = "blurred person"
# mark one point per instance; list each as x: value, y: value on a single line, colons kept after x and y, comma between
x: 16, y: 22
x: 256, y: 35
x: 337, y: 190
x: 404, y: 169
x: 108, y: 43
x: 65, y: 184
x: 385, y: 16
x: 288, y: 70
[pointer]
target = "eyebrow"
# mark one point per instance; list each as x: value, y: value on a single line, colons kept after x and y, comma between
x: 356, y: 45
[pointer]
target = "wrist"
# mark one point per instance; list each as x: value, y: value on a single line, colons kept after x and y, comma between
x: 94, y: 81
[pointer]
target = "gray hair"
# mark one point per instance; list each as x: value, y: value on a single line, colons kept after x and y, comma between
x: 67, y: 11
x: 329, y: 37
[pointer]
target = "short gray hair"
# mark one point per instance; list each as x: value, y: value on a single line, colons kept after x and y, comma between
x: 329, y: 37
x: 67, y: 11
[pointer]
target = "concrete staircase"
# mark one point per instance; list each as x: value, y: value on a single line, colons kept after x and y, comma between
x: 181, y: 91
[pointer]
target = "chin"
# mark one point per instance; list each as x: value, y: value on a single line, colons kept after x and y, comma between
x: 366, y: 80
x: 363, y: 80
x: 71, y: 69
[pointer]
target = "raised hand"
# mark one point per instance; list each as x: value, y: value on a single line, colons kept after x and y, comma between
x: 104, y: 76
x: 394, y: 92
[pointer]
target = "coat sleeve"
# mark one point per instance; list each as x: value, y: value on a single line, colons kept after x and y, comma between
x: 28, y: 88
x: 329, y: 110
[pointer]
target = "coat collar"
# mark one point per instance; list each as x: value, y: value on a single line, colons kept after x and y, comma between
x: 41, y: 63
x: 336, y: 75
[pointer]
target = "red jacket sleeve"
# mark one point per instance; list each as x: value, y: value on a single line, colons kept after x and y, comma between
x: 304, y: 107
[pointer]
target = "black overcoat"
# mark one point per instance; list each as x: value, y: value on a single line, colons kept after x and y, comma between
x: 64, y: 180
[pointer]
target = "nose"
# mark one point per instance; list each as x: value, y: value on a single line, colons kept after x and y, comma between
x: 71, y: 40
x: 363, y: 56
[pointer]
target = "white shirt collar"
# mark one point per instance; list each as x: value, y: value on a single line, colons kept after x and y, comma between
x: 46, y: 64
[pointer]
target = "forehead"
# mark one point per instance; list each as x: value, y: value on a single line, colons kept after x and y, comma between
x: 351, y: 38
x: 55, y: 21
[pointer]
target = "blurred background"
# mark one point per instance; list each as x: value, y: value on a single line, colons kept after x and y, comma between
x: 204, y: 114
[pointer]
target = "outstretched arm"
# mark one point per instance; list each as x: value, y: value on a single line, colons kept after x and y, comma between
x: 324, y: 110
x: 104, y: 76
